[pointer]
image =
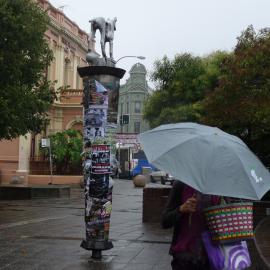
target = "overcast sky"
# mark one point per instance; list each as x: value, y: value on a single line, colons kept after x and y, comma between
x: 154, y: 28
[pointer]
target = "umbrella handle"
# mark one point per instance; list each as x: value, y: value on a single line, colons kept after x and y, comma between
x: 189, y: 219
x: 195, y: 194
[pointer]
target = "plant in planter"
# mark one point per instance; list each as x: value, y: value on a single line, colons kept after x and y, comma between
x: 66, y: 147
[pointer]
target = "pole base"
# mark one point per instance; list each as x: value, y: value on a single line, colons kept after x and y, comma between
x: 96, y: 245
x: 96, y: 254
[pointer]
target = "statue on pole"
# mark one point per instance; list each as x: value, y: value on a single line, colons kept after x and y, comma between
x: 101, y: 81
x: 106, y: 29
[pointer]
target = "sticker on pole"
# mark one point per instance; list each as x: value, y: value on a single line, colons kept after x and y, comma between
x: 101, y: 159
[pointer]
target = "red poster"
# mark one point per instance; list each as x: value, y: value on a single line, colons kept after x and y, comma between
x: 101, y: 159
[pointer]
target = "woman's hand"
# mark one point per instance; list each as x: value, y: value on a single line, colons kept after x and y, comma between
x: 189, y: 206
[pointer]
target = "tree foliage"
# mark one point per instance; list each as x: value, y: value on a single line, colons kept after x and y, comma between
x: 241, y: 102
x: 182, y: 84
x: 25, y: 94
x: 227, y: 90
x: 66, y: 150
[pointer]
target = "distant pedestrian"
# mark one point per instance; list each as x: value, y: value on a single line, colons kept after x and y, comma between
x: 184, y: 213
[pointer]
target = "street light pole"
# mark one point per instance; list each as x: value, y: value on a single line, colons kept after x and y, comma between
x: 134, y: 56
x: 51, y: 169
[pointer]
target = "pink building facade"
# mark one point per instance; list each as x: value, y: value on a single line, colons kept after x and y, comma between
x: 69, y: 44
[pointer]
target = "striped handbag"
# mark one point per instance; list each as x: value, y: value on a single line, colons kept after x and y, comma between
x: 230, y: 222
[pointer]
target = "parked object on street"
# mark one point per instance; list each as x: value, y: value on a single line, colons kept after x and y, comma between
x: 162, y: 177
x: 139, y: 180
x: 207, y: 159
x: 141, y: 163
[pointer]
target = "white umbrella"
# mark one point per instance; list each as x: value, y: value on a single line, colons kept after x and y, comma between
x: 207, y: 159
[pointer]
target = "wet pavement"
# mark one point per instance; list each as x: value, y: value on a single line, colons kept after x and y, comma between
x: 46, y: 234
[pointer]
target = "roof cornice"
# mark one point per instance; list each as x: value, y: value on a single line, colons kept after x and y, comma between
x: 66, y: 32
x: 67, y: 105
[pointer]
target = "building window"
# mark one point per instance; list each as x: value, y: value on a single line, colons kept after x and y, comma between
x: 137, y: 127
x: 121, y: 108
x: 137, y: 107
x: 127, y: 107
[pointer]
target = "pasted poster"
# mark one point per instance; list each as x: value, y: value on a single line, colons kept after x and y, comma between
x: 95, y: 94
x: 98, y: 195
x: 100, y: 104
x: 95, y: 121
x: 97, y: 217
x: 99, y: 95
x: 101, y: 159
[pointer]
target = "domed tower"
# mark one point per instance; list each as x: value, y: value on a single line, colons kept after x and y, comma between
x: 138, y: 72
x: 132, y: 96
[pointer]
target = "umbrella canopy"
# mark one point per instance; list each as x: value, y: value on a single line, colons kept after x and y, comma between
x: 207, y: 159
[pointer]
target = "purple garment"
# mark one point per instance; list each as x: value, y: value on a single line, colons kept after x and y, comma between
x: 214, y: 252
x: 189, y: 236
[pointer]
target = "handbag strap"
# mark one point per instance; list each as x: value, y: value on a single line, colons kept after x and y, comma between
x: 222, y: 200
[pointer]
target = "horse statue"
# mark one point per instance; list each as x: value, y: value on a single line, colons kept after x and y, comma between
x: 106, y: 29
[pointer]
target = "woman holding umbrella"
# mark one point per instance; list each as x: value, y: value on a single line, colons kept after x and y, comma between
x: 212, y: 162
x: 183, y: 212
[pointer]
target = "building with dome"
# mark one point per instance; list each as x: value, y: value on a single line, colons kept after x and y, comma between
x: 132, y: 96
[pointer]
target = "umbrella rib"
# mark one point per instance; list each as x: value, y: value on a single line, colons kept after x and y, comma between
x: 244, y: 167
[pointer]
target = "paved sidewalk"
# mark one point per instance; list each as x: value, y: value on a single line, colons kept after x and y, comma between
x: 46, y: 234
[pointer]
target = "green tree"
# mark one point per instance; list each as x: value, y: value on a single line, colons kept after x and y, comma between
x: 25, y: 94
x: 66, y: 147
x: 213, y: 64
x: 181, y: 85
x: 241, y: 102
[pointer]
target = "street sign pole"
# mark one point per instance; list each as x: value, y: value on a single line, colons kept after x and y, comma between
x: 51, y: 170
x: 46, y: 143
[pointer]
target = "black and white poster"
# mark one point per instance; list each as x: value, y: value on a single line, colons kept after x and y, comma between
x: 101, y: 159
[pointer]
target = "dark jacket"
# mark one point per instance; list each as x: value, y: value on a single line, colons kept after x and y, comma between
x: 171, y: 216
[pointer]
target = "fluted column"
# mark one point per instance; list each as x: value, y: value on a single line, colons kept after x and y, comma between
x: 24, y: 156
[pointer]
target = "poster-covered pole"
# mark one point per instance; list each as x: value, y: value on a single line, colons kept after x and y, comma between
x: 101, y: 80
x: 96, y: 165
